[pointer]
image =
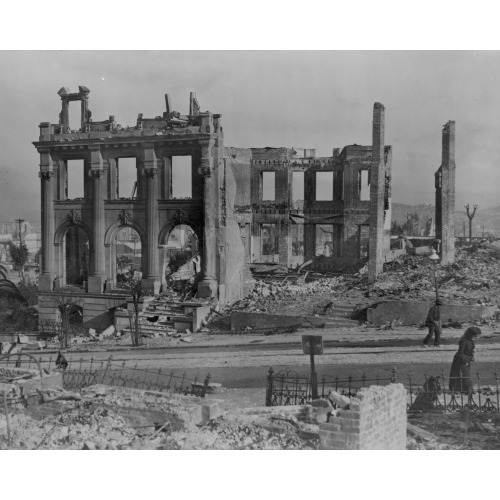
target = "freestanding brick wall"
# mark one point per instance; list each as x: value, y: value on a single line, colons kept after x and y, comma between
x: 375, y: 420
x: 377, y: 195
x: 445, y: 195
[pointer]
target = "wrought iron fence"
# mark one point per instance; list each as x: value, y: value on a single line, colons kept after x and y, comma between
x: 478, y: 394
x: 77, y: 374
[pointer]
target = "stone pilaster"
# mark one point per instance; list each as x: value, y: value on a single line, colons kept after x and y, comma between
x: 151, y: 280
x: 47, y: 180
x: 208, y: 287
x: 97, y: 254
x: 445, y: 195
x: 377, y: 191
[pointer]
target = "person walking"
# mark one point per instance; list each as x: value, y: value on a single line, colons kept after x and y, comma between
x: 433, y: 323
x: 460, y: 379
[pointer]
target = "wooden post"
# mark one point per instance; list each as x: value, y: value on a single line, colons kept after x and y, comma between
x: 314, y: 380
x: 6, y: 416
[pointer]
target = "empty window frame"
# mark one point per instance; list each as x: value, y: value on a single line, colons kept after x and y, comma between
x: 75, y: 116
x: 364, y: 240
x: 74, y: 179
x: 182, y: 185
x: 324, y: 186
x: 364, y: 185
x: 328, y: 240
x: 297, y: 239
x: 268, y: 239
x: 126, y: 177
x: 268, y: 186
x: 297, y: 188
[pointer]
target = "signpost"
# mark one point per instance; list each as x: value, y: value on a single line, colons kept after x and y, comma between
x: 313, y: 344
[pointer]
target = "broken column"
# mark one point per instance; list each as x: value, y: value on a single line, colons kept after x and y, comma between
x: 377, y: 191
x: 445, y: 196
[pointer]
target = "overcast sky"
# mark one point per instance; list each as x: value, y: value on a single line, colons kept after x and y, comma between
x: 297, y: 99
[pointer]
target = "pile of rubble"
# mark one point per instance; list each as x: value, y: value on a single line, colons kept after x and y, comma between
x: 104, y: 417
x: 474, y: 278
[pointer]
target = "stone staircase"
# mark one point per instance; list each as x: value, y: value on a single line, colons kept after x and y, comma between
x: 167, y: 316
x: 339, y: 316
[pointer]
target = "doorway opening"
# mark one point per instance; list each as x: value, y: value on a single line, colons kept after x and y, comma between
x: 76, y: 256
x: 182, y: 260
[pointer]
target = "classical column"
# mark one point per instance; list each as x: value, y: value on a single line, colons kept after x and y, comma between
x: 97, y: 254
x: 46, y: 174
x: 208, y: 286
x: 151, y: 281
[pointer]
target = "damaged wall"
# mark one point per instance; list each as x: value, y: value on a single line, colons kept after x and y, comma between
x: 375, y: 420
x: 445, y: 195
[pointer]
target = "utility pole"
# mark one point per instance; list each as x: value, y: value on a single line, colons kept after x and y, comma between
x: 19, y: 222
x: 470, y: 216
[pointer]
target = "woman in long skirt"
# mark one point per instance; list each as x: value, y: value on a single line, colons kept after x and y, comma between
x: 460, y: 379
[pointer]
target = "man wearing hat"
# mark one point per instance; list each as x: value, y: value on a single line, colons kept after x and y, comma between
x: 433, y: 322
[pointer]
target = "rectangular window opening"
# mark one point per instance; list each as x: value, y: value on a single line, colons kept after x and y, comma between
x: 298, y: 190
x: 363, y: 185
x: 364, y: 239
x: 268, y: 186
x: 75, y: 116
x: 126, y: 173
x: 324, y: 186
x: 268, y: 239
x: 328, y: 238
x: 74, y: 179
x: 297, y: 239
x: 182, y: 186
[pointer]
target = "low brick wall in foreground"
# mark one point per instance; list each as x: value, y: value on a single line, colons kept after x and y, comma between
x: 374, y: 420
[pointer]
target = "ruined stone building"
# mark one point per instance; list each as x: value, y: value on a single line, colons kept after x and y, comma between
x: 244, y: 206
x: 293, y: 208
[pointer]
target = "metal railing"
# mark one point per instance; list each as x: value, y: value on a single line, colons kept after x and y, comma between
x: 80, y: 373
x: 478, y: 394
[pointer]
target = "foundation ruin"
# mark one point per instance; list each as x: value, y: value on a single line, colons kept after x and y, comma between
x: 244, y: 206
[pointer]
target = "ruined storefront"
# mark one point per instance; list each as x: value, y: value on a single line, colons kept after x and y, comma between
x: 79, y: 233
x: 294, y: 207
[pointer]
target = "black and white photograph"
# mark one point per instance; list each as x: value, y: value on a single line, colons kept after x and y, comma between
x: 249, y: 250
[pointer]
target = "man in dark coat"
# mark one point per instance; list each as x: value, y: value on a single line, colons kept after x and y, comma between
x: 433, y: 323
x: 460, y: 379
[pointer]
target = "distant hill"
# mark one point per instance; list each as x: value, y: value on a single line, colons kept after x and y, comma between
x: 487, y: 217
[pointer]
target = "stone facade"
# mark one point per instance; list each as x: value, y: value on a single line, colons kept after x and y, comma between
x: 376, y: 420
x: 152, y: 212
x: 445, y: 196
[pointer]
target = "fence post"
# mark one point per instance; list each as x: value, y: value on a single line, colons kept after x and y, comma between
x: 496, y: 383
x: 478, y: 389
x: 444, y: 389
x: 106, y: 369
x: 205, y: 385
x: 269, y: 388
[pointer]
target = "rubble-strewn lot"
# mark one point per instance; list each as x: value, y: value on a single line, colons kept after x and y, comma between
x: 117, y: 418
x: 474, y: 278
x: 110, y: 418
x: 453, y: 431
